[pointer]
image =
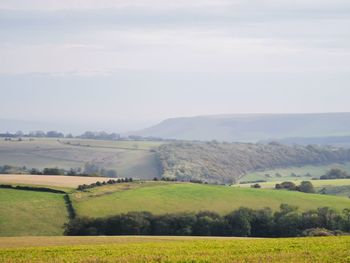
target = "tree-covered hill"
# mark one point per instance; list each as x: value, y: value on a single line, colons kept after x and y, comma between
x: 215, y: 162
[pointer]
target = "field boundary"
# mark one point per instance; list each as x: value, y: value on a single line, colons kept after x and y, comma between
x: 30, y: 188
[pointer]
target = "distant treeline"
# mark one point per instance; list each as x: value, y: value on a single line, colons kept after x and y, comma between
x: 215, y: 162
x: 84, y: 187
x: 335, y: 173
x: 90, y: 169
x: 30, y: 188
x: 91, y: 135
x: 244, y: 222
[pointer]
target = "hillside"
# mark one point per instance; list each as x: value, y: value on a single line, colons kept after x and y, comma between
x: 161, y: 197
x: 127, y: 158
x: 227, y: 162
x: 251, y: 127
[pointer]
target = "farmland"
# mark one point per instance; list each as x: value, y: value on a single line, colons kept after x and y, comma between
x: 27, y: 213
x: 128, y: 158
x: 169, y: 249
x: 161, y: 197
x: 59, y: 181
x: 314, y: 171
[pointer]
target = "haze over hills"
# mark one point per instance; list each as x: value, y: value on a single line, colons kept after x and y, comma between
x: 251, y: 127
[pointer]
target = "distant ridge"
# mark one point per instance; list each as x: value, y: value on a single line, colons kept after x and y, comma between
x: 251, y: 127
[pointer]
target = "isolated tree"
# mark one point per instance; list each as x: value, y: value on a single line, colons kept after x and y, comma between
x: 306, y: 187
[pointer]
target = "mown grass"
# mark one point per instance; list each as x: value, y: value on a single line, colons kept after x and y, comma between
x: 161, y: 197
x: 329, y: 249
x: 28, y: 213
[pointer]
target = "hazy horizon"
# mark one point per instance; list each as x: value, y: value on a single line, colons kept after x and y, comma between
x: 122, y: 66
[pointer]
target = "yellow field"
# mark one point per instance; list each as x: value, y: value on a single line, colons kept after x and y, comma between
x: 49, y: 180
x: 169, y: 249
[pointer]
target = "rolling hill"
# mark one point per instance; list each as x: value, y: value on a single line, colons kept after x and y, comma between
x: 251, y: 127
x: 162, y: 197
x: 128, y: 158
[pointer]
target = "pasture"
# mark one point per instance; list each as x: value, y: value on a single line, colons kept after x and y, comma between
x: 29, y: 213
x: 163, y: 197
x: 315, y: 171
x: 315, y: 183
x: 168, y: 249
x: 128, y: 158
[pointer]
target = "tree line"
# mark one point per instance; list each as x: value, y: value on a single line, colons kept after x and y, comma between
x: 84, y: 187
x: 243, y: 222
x: 31, y: 188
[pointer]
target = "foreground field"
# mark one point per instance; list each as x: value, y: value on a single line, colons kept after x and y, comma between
x: 28, y: 213
x: 161, y: 197
x: 167, y: 249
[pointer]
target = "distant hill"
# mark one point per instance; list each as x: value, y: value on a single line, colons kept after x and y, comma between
x: 251, y: 127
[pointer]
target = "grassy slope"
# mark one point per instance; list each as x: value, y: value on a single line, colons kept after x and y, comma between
x: 340, y: 187
x: 162, y: 197
x: 129, y: 158
x: 314, y: 170
x: 316, y: 183
x: 330, y: 249
x: 31, y: 213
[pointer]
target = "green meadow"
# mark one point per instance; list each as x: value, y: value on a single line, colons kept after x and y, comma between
x: 162, y: 197
x: 30, y: 213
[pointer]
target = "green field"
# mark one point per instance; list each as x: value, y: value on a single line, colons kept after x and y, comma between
x: 339, y: 187
x: 160, y: 197
x: 167, y: 249
x: 314, y: 170
x: 128, y: 158
x: 28, y: 213
x: 316, y: 183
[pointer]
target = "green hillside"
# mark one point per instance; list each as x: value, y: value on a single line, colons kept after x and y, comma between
x: 29, y: 213
x: 160, y: 198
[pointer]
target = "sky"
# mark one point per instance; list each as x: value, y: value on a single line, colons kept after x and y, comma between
x: 120, y: 65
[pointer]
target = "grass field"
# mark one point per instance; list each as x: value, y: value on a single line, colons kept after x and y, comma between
x: 314, y: 170
x: 160, y: 197
x: 128, y: 158
x: 316, y: 183
x: 167, y: 249
x: 26, y: 213
x: 339, y: 187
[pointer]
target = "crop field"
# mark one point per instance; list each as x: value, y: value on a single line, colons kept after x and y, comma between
x: 128, y: 158
x: 161, y: 197
x: 26, y: 213
x: 48, y: 180
x: 167, y: 249
x: 314, y: 170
